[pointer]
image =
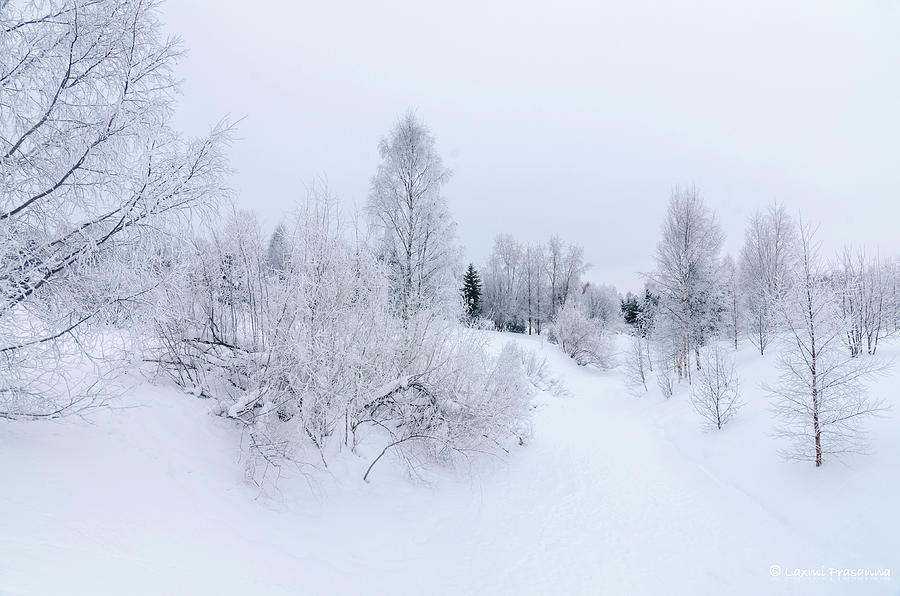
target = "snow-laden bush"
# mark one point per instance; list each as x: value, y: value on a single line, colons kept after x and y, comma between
x: 482, y: 323
x: 583, y: 339
x: 462, y: 402
x: 537, y: 370
x: 714, y: 391
x: 311, y: 357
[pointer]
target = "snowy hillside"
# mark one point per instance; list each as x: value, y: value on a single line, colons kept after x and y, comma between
x: 614, y: 494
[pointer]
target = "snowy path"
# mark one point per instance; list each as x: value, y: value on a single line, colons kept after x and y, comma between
x: 612, y: 496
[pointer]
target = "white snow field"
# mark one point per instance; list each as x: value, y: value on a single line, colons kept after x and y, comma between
x: 615, y: 494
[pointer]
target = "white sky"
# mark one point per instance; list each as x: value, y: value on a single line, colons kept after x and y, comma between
x: 574, y: 118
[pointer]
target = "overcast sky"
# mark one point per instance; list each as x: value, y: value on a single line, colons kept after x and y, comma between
x: 564, y: 118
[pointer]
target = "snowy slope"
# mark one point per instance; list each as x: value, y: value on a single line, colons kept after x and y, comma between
x: 615, y: 494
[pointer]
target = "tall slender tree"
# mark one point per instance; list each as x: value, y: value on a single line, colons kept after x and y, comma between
x: 731, y: 297
x: 765, y: 262
x: 686, y: 262
x: 412, y: 216
x: 821, y: 394
x: 534, y: 294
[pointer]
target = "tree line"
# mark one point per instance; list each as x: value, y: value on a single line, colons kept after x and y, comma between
x: 539, y: 288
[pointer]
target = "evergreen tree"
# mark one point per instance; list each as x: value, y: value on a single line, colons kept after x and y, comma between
x: 471, y: 291
x: 631, y: 308
x: 279, y: 252
x: 647, y: 316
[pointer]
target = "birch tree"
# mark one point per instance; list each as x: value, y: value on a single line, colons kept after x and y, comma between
x: 636, y: 365
x: 411, y: 215
x: 573, y: 267
x: 764, y: 265
x: 553, y: 267
x: 731, y: 297
x: 821, y: 396
x: 686, y: 264
x: 535, y: 294
x: 715, y: 393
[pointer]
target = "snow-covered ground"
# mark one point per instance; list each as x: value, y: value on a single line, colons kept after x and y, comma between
x: 615, y: 494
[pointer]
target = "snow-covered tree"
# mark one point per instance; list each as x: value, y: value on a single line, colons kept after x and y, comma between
x: 865, y: 293
x: 603, y: 302
x: 412, y: 216
x: 566, y: 266
x: 471, y: 292
x: 687, y: 259
x: 821, y: 396
x: 553, y: 267
x: 715, y: 392
x: 631, y: 309
x: 731, y: 298
x: 90, y: 169
x: 278, y: 254
x: 764, y: 265
x: 647, y: 313
x: 535, y: 295
x: 636, y: 365
x: 526, y: 285
x: 504, y: 284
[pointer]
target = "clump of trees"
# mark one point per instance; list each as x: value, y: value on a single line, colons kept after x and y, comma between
x: 640, y: 316
x: 525, y: 286
x: 867, y: 290
x: 533, y: 288
x: 825, y: 320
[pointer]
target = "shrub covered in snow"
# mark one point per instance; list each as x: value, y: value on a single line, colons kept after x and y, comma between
x: 310, y: 354
x: 582, y: 338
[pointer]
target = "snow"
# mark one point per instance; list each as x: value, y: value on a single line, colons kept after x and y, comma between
x: 614, y: 494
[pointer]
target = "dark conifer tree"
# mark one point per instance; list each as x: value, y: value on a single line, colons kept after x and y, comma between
x: 631, y: 308
x: 471, y: 292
